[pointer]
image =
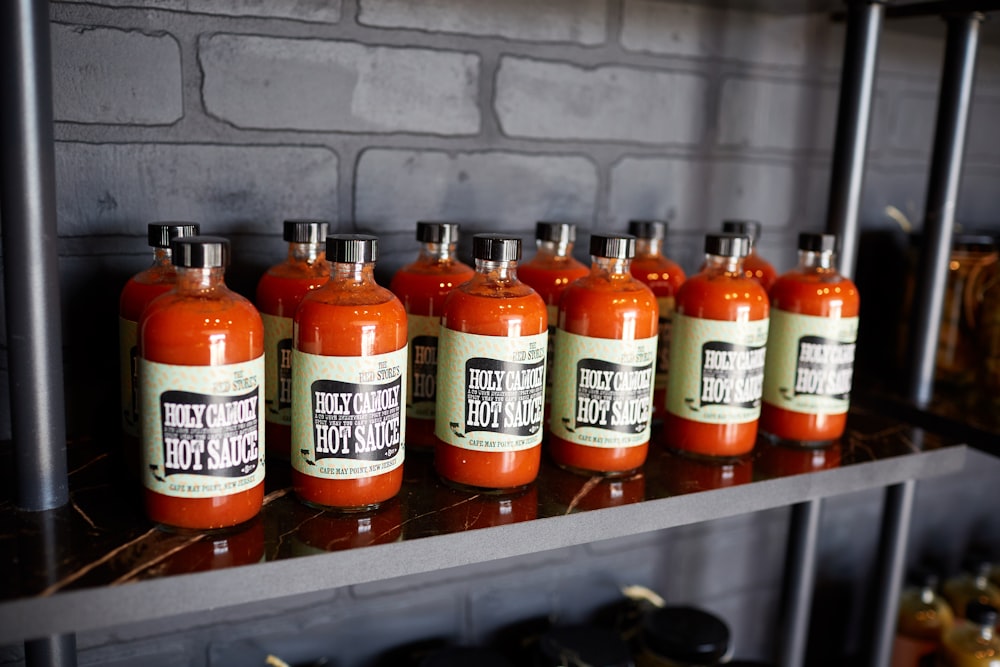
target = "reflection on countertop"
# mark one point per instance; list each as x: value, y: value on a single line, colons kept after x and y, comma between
x: 102, y: 537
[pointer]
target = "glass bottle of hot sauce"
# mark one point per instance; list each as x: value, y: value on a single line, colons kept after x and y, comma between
x: 549, y: 272
x: 422, y: 287
x: 605, y: 354
x: 201, y: 375
x: 491, y: 374
x: 279, y: 293
x: 810, y: 363
x: 142, y: 288
x: 349, y: 384
x: 717, y: 355
x: 664, y: 277
x: 754, y: 265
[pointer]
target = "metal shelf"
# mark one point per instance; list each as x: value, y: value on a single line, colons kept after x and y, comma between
x: 113, y: 561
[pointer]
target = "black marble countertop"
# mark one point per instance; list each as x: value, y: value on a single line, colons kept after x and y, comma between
x: 55, y: 562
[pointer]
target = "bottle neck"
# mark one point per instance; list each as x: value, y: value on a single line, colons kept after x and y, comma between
x: 497, y: 272
x: 610, y: 267
x: 816, y: 262
x: 721, y: 264
x: 986, y: 632
x: 648, y: 247
x: 437, y: 252
x: 927, y: 595
x: 356, y: 273
x: 553, y: 249
x: 199, y: 281
x: 308, y: 253
x: 162, y: 257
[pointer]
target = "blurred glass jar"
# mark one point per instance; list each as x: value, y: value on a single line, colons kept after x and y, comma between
x: 989, y: 341
x: 973, y: 257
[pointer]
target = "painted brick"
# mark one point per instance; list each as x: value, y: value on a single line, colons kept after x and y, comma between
x: 697, y: 30
x: 698, y: 194
x: 915, y: 117
x: 102, y: 75
x: 303, y: 84
x: 487, y: 191
x: 580, y: 21
x: 562, y: 101
x: 318, y: 11
x: 118, y: 188
x: 776, y: 114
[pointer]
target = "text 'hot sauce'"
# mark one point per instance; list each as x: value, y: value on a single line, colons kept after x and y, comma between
x: 754, y: 265
x: 605, y: 358
x: 664, y: 277
x: 422, y: 287
x: 349, y: 384
x: 810, y: 359
x: 717, y: 355
x: 491, y: 373
x: 201, y: 376
x: 279, y: 293
x: 142, y: 288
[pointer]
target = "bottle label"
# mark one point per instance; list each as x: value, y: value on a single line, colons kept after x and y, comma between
x: 603, y: 394
x: 347, y: 414
x: 278, y: 374
x: 202, y: 435
x: 553, y: 315
x: 717, y: 370
x: 810, y: 363
x: 421, y: 394
x: 666, y: 304
x: 490, y: 391
x: 128, y: 357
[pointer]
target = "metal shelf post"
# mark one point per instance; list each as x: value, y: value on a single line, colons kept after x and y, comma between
x: 857, y: 85
x: 954, y: 102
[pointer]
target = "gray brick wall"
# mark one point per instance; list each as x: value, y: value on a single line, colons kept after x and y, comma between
x: 376, y: 113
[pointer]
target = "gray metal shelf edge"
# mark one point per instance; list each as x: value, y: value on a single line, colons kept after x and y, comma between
x: 93, y: 609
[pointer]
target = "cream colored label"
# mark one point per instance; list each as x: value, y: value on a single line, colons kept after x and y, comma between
x: 347, y: 414
x: 666, y: 304
x: 421, y: 390
x: 602, y: 390
x: 716, y: 370
x: 490, y: 390
x: 278, y: 369
x: 202, y: 432
x: 128, y: 359
x: 810, y: 362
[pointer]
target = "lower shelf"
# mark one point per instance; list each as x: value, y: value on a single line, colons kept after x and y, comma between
x: 98, y: 563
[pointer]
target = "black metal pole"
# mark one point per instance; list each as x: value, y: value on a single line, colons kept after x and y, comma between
x: 896, y: 516
x: 800, y: 578
x: 857, y: 85
x: 954, y: 100
x: 55, y: 651
x: 31, y: 284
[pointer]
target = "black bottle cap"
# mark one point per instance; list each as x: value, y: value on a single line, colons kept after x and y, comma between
x: 686, y: 635
x: 200, y: 252
x: 437, y: 232
x: 496, y: 247
x: 305, y: 231
x: 351, y: 248
x: 981, y: 614
x: 813, y: 242
x: 648, y: 230
x: 727, y: 245
x: 583, y: 646
x: 160, y: 234
x: 557, y: 232
x: 613, y: 247
x: 458, y: 656
x: 749, y: 228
